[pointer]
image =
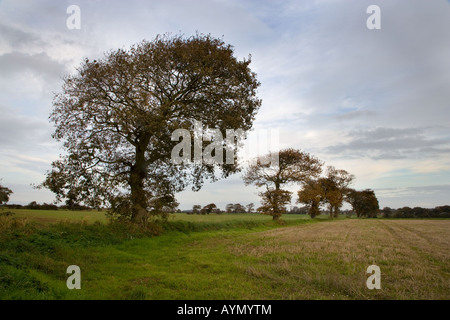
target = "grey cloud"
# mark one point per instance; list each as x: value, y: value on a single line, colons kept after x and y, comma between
x: 401, y: 72
x: 22, y: 133
x: 19, y: 39
x: 355, y: 115
x: 40, y: 63
x: 391, y: 143
x: 421, y: 196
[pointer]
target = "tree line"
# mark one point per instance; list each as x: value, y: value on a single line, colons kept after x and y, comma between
x: 416, y: 212
x: 34, y: 205
x: 386, y: 212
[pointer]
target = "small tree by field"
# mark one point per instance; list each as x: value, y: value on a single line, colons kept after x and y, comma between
x: 250, y: 207
x: 293, y: 166
x: 274, y: 202
x: 116, y: 117
x: 312, y: 194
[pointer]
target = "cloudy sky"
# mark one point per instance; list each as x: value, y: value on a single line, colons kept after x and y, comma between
x: 373, y: 102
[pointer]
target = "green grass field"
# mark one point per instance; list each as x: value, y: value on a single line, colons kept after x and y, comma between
x: 226, y: 256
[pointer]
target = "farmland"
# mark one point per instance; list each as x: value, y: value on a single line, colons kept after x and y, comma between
x: 228, y: 256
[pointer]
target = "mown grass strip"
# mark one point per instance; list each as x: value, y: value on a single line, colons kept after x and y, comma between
x: 34, y: 256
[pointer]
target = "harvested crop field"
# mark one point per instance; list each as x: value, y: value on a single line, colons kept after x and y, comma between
x: 329, y: 260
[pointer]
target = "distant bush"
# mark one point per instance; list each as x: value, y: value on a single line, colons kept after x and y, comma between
x: 12, y: 206
x: 36, y: 206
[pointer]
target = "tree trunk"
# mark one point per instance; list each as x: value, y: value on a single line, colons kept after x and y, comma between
x: 139, y: 213
x: 276, y: 214
x: 336, y: 212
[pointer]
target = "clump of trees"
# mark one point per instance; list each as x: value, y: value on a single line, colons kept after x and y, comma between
x: 116, y: 115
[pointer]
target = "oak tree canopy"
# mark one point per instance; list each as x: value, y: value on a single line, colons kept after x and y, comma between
x: 115, y: 117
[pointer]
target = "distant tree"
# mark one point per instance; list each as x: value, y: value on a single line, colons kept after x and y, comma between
x: 250, y: 207
x: 420, y: 212
x: 229, y: 208
x: 32, y: 205
x: 4, y: 194
x: 49, y: 206
x: 440, y: 212
x: 298, y: 210
x: 196, y: 208
x: 238, y: 208
x: 116, y: 117
x: 405, y: 212
x: 386, y: 212
x: 209, y: 208
x: 364, y: 203
x: 294, y: 166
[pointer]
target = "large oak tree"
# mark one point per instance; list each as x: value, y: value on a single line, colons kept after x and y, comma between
x: 115, y: 117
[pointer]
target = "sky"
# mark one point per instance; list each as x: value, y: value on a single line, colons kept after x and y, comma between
x: 374, y: 102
